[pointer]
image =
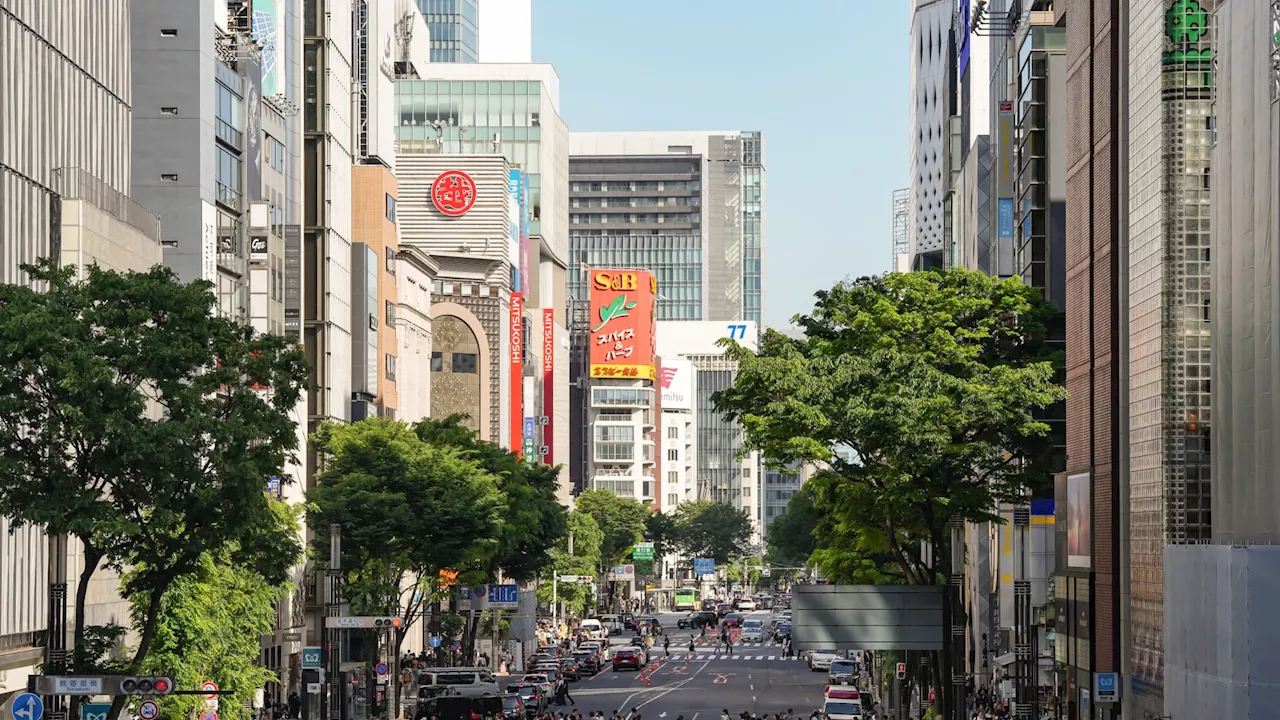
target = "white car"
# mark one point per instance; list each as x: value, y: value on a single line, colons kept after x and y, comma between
x: 822, y: 659
x: 842, y: 704
x: 752, y: 630
x: 746, y: 605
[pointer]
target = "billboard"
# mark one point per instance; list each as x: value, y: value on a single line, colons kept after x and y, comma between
x: 677, y: 385
x: 1079, y: 521
x: 702, y: 337
x: 268, y: 32
x: 515, y: 326
x: 548, y: 382
x: 519, y: 281
x: 623, y: 325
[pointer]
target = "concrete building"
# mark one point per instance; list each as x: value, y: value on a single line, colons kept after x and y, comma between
x: 687, y: 205
x: 1220, y: 657
x: 901, y: 236
x: 932, y: 104
x: 679, y: 462
x: 721, y: 475
x: 416, y: 274
x: 778, y: 488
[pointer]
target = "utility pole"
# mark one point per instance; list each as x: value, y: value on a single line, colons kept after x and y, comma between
x: 55, y: 648
x: 954, y: 694
x: 332, y: 697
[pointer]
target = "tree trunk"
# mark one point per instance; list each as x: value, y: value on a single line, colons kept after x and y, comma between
x: 92, y: 557
x: 146, y: 637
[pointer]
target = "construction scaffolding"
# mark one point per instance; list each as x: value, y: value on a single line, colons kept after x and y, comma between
x: 901, y: 237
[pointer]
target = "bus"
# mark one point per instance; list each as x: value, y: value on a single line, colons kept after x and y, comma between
x: 685, y: 599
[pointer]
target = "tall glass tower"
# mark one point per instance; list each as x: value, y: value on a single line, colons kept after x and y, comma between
x: 453, y: 25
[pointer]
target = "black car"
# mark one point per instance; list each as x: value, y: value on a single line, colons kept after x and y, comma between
x: 535, y: 701
x: 571, y: 668
x: 587, y: 661
x: 697, y: 620
x: 513, y: 707
x: 453, y: 707
x: 782, y: 630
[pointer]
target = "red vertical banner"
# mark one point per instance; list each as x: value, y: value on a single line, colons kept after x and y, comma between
x: 548, y: 382
x: 516, y: 322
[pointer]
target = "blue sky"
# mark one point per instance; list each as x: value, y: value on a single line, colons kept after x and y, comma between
x: 825, y: 80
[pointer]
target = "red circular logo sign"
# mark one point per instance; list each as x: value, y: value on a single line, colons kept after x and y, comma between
x: 453, y: 193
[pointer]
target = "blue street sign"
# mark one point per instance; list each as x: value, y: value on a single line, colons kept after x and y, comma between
x: 528, y: 428
x: 27, y: 707
x: 95, y: 711
x: 381, y: 668
x: 504, y: 597
x: 704, y: 566
x: 311, y: 658
x: 434, y: 641
x: 1106, y: 687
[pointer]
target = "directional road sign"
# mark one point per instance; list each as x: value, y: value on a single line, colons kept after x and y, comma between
x: 504, y: 597
x: 642, y: 551
x: 95, y: 711
x: 704, y: 566
x: 311, y: 658
x: 434, y: 641
x: 69, y: 685
x: 27, y: 707
x: 148, y: 710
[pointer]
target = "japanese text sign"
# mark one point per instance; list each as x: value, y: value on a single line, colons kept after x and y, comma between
x: 623, y: 324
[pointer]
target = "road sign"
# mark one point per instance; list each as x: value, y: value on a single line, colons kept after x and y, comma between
x: 27, y: 707
x: 95, y: 711
x: 364, y: 622
x: 1106, y: 687
x: 72, y: 685
x: 210, y: 689
x: 381, y: 668
x: 642, y: 551
x: 209, y: 715
x: 311, y: 658
x: 765, y: 572
x: 313, y: 688
x: 568, y: 578
x: 704, y: 566
x: 434, y: 641
x: 625, y: 572
x: 148, y: 710
x: 504, y: 597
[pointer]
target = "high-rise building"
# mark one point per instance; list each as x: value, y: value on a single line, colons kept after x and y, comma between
x: 687, y: 205
x: 932, y: 105
x: 1217, y: 596
x: 1170, y: 108
x: 679, y: 431
x: 1089, y: 581
x: 779, y: 487
x: 454, y: 26
x: 901, y: 237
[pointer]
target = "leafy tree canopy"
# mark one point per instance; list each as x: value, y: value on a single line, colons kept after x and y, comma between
x: 585, y: 560
x: 931, y: 378
x: 137, y: 420
x: 622, y: 522
x: 790, y: 539
x: 408, y: 509
x: 709, y: 529
x: 534, y: 519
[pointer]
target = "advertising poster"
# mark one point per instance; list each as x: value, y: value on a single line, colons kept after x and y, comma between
x: 514, y: 256
x: 526, y: 210
x: 268, y: 32
x: 623, y: 324
x: 548, y: 382
x: 1079, y: 521
x: 516, y: 330
x: 677, y: 385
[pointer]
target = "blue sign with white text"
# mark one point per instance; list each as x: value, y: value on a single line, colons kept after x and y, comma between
x: 1006, y: 217
x: 504, y: 596
x: 1106, y: 687
x: 704, y: 566
x: 95, y: 711
x: 528, y: 428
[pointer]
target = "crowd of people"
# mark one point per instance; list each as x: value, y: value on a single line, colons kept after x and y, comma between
x: 985, y: 704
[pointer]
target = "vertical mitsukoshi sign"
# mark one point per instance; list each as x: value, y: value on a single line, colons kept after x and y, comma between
x: 516, y: 329
x: 548, y: 383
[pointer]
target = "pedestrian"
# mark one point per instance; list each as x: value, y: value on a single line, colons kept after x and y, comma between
x: 728, y: 645
x: 295, y: 705
x: 564, y: 689
x: 724, y: 714
x: 666, y: 645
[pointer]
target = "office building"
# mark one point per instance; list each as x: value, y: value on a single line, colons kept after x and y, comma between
x: 721, y: 475
x: 679, y: 463
x: 1218, y: 624
x: 932, y: 104
x: 901, y: 261
x: 688, y: 206
x: 454, y: 28
x: 416, y: 274
x: 1090, y: 582
x: 779, y: 487
x: 623, y: 413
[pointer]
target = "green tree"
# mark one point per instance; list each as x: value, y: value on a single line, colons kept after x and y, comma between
x: 932, y: 379
x: 585, y: 560
x: 210, y: 626
x: 408, y: 509
x: 136, y: 420
x: 622, y: 522
x: 790, y: 538
x: 660, y: 529
x: 709, y: 529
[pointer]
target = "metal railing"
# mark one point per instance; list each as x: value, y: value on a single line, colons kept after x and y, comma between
x: 76, y: 184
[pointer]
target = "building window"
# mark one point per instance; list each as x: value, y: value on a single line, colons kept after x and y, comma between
x: 746, y: 472
x: 673, y: 433
x: 606, y: 451
x: 437, y: 362
x: 673, y: 477
x: 746, y: 491
x: 673, y: 455
x: 391, y: 314
x: 615, y: 433
x: 464, y: 363
x: 391, y: 208
x: 391, y: 261
x: 389, y: 363
x: 672, y: 499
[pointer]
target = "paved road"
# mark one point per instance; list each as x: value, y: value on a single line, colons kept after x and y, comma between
x: 755, y: 678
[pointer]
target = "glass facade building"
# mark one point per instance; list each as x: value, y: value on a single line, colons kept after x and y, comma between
x: 453, y: 25
x: 1171, y: 133
x: 752, y: 225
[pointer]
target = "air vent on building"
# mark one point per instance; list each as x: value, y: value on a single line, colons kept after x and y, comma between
x: 169, y: 32
x: 168, y: 111
x: 1021, y: 516
x: 169, y: 177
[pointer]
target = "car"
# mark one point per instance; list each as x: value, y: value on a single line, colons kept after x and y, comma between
x: 535, y: 700
x: 593, y: 628
x: 598, y: 648
x: 698, y: 620
x: 822, y: 659
x: 552, y: 671
x: 732, y: 620
x: 539, y: 658
x: 513, y: 707
x: 842, y: 704
x: 752, y: 630
x: 630, y: 657
x: 587, y: 660
x: 842, y: 672
x: 540, y: 680
x: 746, y: 604
x: 723, y: 609
x: 782, y: 630
x: 570, y: 667
x: 552, y: 650
x: 709, y: 604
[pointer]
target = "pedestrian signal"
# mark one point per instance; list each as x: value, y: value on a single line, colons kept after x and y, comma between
x: 902, y: 671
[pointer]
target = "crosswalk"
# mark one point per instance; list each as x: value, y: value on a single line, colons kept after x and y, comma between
x: 737, y: 655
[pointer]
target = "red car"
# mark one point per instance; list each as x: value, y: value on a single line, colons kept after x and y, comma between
x: 628, y: 657
x: 732, y: 620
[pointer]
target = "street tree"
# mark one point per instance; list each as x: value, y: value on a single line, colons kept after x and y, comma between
x: 136, y: 420
x: 408, y: 510
x: 706, y: 529
x: 660, y: 529
x: 621, y: 520
x: 584, y: 560
x: 933, y: 380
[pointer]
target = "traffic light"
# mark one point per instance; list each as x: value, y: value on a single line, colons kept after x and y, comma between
x: 902, y: 671
x: 146, y: 686
x: 386, y: 623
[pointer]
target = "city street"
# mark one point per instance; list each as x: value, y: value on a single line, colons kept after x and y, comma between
x: 756, y: 678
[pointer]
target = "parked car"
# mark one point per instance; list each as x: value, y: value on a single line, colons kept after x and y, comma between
x: 698, y: 619
x: 629, y: 657
x: 535, y: 700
